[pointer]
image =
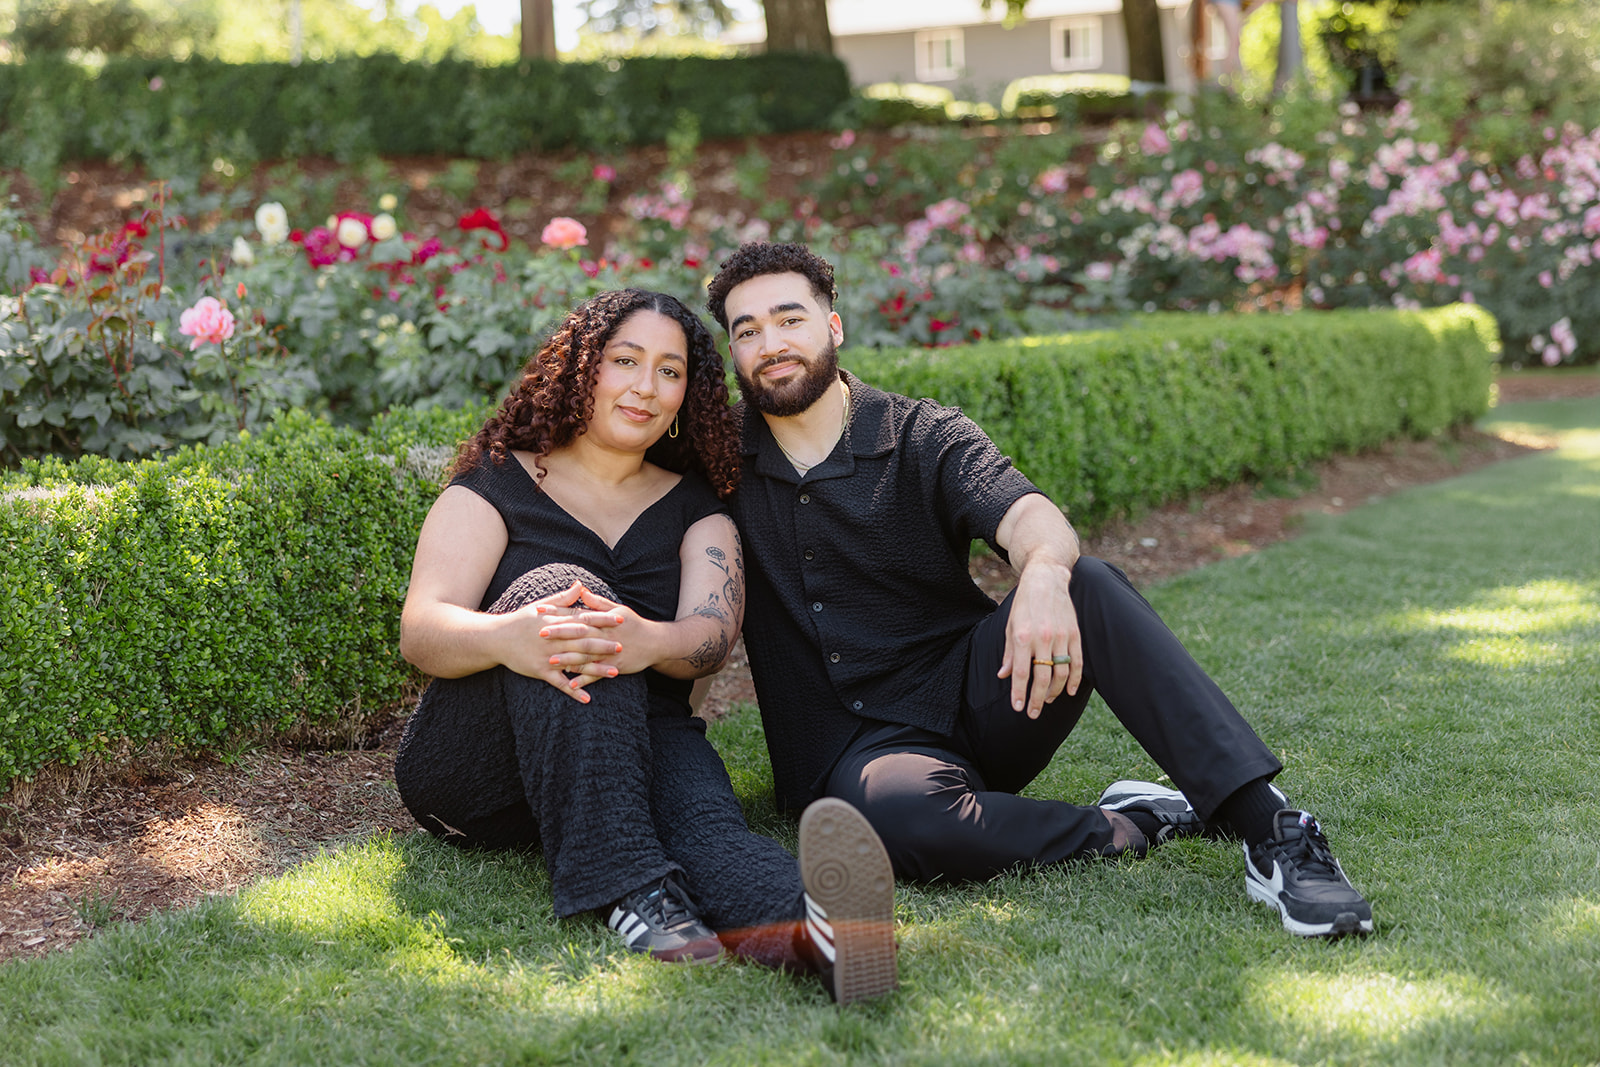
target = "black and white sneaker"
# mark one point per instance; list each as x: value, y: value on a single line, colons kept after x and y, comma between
x: 1296, y: 873
x: 659, y: 919
x: 849, y: 898
x: 1152, y: 805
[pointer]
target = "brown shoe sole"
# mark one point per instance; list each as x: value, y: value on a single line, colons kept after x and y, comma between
x: 847, y: 872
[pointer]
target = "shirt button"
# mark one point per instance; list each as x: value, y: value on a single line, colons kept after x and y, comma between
x: 856, y: 705
x: 810, y: 554
x: 816, y: 605
x: 805, y: 498
x: 834, y: 658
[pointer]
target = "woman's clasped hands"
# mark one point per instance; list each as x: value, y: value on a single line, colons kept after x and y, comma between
x: 582, y: 637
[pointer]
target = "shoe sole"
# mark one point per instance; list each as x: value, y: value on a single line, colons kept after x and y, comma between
x: 1127, y: 792
x: 1343, y: 924
x: 847, y: 872
x: 1120, y: 796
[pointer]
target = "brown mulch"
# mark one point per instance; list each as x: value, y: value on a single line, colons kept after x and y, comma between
x: 118, y: 842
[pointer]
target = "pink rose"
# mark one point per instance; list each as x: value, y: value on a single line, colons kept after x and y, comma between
x: 208, y: 322
x: 1154, y: 142
x: 563, y: 232
x: 1053, y: 180
x: 604, y: 173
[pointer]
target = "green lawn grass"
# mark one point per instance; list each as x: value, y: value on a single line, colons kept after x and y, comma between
x: 1428, y: 667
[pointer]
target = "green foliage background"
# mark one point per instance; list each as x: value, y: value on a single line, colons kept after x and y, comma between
x: 174, y: 115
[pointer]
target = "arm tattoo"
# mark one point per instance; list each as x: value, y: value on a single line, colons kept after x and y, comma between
x: 720, y: 608
x: 733, y: 571
x: 709, y: 654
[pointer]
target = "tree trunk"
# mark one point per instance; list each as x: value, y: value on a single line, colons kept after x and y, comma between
x: 1141, y: 24
x: 798, y: 26
x: 538, y: 29
x: 1291, y: 56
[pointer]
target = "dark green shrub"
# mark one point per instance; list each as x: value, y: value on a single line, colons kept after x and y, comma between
x: 1149, y: 414
x: 219, y: 591
x: 179, y: 113
x: 258, y: 584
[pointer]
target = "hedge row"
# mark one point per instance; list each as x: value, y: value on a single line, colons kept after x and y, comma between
x: 258, y: 584
x: 216, y: 592
x: 1181, y: 402
x: 171, y: 111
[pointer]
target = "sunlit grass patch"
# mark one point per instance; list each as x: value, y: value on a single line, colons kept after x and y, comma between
x: 1368, y: 1006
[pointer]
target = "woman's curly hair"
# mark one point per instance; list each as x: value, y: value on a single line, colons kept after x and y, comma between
x: 552, y: 405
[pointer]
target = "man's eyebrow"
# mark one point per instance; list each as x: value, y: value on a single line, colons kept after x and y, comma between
x: 793, y: 305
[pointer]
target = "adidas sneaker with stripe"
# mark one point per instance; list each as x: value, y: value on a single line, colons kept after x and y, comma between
x: 849, y: 901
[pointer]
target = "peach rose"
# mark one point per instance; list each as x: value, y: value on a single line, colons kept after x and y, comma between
x: 562, y: 232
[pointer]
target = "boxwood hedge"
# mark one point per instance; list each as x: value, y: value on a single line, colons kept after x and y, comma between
x: 257, y: 585
x: 177, y: 112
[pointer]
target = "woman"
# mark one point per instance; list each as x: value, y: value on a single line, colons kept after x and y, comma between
x: 569, y: 584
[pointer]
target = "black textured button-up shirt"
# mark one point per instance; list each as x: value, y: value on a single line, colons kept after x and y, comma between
x: 860, y: 600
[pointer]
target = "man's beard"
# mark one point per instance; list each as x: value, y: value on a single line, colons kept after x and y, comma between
x: 796, y: 393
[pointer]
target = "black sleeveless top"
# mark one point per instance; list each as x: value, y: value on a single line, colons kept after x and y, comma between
x: 643, y: 570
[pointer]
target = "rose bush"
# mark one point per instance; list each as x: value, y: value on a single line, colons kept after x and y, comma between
x: 1225, y: 207
x: 92, y: 357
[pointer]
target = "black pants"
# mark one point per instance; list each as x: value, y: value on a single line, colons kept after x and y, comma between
x: 946, y: 807
x: 616, y: 792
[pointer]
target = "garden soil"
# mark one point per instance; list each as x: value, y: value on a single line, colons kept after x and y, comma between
x: 116, y: 841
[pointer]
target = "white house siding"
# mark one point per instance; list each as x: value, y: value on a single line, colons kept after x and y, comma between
x: 994, y: 56
x: 877, y: 40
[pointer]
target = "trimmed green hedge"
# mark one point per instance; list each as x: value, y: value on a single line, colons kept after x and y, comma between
x: 1181, y: 402
x: 258, y: 584
x: 52, y: 110
x: 216, y: 592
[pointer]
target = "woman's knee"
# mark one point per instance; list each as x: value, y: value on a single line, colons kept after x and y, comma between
x: 546, y: 581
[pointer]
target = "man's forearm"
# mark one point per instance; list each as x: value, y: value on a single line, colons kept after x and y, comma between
x: 1035, y: 533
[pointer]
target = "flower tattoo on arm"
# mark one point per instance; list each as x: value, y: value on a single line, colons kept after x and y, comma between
x: 721, y: 607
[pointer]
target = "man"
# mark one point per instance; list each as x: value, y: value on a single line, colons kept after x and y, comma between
x: 888, y: 679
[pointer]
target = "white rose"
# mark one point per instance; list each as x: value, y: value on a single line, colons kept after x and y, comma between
x: 273, y: 223
x: 388, y: 202
x: 241, y: 253
x: 383, y: 227
x: 351, y: 233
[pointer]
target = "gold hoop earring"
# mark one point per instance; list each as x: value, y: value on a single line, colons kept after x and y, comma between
x: 673, y: 433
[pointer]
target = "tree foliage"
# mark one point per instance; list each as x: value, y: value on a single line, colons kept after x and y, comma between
x: 244, y: 32
x: 646, y: 18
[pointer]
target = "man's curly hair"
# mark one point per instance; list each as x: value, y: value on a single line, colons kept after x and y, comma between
x: 552, y: 405
x: 757, y: 258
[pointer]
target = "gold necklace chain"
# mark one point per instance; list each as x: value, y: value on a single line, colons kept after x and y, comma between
x: 802, y: 468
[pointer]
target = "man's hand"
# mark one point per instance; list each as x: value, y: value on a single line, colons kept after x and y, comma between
x: 1044, y: 650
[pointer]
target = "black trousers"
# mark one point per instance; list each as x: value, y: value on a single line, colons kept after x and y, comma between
x: 946, y: 807
x: 616, y: 792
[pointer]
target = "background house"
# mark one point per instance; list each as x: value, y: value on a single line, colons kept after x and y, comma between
x: 950, y: 43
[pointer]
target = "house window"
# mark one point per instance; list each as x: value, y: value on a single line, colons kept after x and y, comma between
x: 940, y: 55
x: 1075, y: 44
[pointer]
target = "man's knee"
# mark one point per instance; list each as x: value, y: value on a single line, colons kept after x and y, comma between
x: 923, y: 832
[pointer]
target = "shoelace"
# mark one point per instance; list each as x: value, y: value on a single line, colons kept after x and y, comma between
x: 1312, y: 851
x: 664, y: 907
